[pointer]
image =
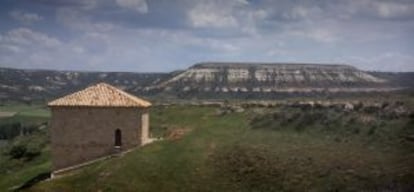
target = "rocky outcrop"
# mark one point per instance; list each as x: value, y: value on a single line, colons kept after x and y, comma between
x: 270, y: 77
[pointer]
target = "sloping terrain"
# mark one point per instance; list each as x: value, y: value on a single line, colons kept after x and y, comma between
x: 405, y: 79
x: 32, y: 85
x: 207, y: 81
x: 278, y: 80
x: 272, y: 76
x: 24, y: 144
x: 260, y: 149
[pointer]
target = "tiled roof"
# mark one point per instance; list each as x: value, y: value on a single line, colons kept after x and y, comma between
x: 100, y: 95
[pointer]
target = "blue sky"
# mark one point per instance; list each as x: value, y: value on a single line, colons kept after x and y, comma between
x: 167, y: 35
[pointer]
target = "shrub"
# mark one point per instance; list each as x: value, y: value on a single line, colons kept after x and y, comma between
x: 17, y: 151
x: 24, y: 151
x: 26, y: 147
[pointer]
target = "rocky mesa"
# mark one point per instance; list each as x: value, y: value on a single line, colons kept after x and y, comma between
x: 271, y: 77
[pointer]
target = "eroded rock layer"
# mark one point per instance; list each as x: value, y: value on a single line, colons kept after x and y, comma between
x: 256, y: 77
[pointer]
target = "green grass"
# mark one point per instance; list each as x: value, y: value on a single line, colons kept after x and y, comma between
x: 15, y: 172
x: 26, y: 110
x: 224, y: 153
x: 171, y: 165
x: 318, y: 150
x: 24, y: 120
x: 22, y: 172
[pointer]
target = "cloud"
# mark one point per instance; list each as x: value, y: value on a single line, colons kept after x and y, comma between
x: 9, y: 48
x: 215, y: 14
x: 25, y: 47
x: 302, y: 12
x: 82, y: 4
x: 24, y: 17
x: 27, y: 37
x: 394, y: 9
x: 140, y: 6
x: 375, y: 9
x: 79, y: 20
x: 321, y: 35
x: 388, y: 61
x: 109, y: 35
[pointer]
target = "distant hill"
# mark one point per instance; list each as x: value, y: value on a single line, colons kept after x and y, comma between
x: 207, y: 80
x: 29, y: 85
x: 246, y: 77
x: 275, y: 80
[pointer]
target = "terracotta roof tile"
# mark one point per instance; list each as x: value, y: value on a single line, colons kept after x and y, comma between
x: 100, y: 95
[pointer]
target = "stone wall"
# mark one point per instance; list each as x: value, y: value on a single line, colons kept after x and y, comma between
x: 81, y: 134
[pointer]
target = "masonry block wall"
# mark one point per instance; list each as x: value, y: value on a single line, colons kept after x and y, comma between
x: 81, y: 134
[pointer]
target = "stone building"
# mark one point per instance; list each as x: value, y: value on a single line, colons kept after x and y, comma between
x: 96, y: 122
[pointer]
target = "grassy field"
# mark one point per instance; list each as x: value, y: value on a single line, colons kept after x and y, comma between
x: 258, y: 150
x: 25, y: 110
x: 15, y: 172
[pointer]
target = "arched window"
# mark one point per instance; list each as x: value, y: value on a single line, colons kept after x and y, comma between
x: 118, y: 138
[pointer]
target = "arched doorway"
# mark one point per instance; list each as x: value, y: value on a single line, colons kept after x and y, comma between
x: 118, y: 138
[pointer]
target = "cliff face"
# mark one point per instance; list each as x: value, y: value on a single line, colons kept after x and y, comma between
x: 269, y: 77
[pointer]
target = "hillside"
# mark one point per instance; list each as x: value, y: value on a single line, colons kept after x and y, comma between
x: 280, y: 145
x: 34, y: 85
x: 284, y: 148
x: 271, y: 77
x: 207, y: 81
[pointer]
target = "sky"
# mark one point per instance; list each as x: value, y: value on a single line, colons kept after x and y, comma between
x: 168, y: 35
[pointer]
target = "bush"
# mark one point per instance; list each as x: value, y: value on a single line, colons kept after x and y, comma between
x: 24, y: 151
x: 26, y: 147
x: 17, y: 151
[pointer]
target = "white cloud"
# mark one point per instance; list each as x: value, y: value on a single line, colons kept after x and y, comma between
x: 209, y: 16
x: 377, y: 8
x: 28, y: 37
x: 26, y: 18
x: 216, y: 14
x: 251, y: 18
x: 140, y: 6
x: 26, y: 47
x: 303, y: 12
x: 236, y: 16
x: 325, y: 31
x: 393, y: 9
x: 78, y: 20
x: 231, y: 30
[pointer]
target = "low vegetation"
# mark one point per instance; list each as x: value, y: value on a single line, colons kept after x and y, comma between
x: 24, y: 152
x: 259, y: 149
x: 282, y: 147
